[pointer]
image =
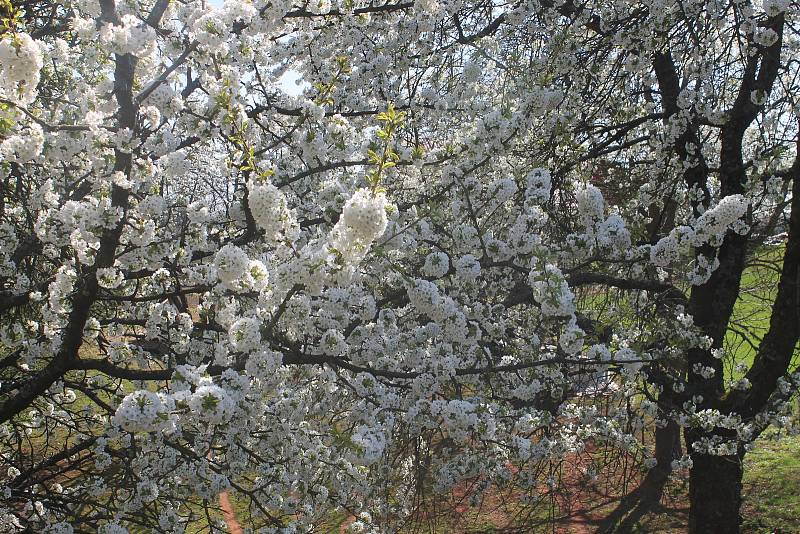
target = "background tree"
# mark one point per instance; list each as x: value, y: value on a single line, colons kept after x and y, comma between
x: 701, y: 96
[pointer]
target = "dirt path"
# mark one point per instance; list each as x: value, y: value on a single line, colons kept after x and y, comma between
x: 346, y: 524
x: 229, y: 514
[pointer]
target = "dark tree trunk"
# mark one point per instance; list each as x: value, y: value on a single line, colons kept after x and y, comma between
x: 715, y: 494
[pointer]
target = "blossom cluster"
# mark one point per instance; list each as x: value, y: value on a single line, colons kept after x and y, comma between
x: 21, y: 61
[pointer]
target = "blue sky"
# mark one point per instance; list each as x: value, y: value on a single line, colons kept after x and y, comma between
x: 287, y: 81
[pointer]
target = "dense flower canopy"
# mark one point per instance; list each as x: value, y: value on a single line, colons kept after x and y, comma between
x: 391, y: 277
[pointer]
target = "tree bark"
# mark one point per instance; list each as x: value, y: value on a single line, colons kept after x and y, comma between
x: 715, y: 492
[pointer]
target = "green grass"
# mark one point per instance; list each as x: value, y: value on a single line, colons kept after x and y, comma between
x: 751, y: 315
x: 772, y: 486
x: 771, y: 493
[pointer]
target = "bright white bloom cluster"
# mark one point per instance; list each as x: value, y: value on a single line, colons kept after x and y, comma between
x: 332, y: 342
x: 669, y: 249
x: 571, y: 341
x: 775, y: 7
x: 211, y: 28
x: 263, y: 364
x: 427, y: 299
x: 362, y: 221
x: 131, y: 37
x: 407, y: 277
x: 551, y: 291
x: 211, y: 403
x: 245, y: 334
x: 109, y: 278
x: 591, y: 204
x: 467, y: 267
x: 257, y: 275
x: 143, y: 411
x: 599, y: 352
x: 60, y: 288
x: 630, y: 359
x: 60, y: 528
x: 436, y: 265
x: 711, y: 226
x: 231, y: 263
x: 371, y: 443
x: 112, y: 528
x: 612, y: 233
x: 703, y: 269
x: 600, y: 234
x: 537, y: 185
x: 269, y: 208
x: 709, y: 229
x: 20, y: 65
x: 24, y: 147
x: 502, y: 190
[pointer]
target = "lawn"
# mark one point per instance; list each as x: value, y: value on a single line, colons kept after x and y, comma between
x: 772, y: 487
x: 753, y: 309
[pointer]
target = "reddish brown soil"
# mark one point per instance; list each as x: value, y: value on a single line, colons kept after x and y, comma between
x: 578, y: 506
x: 229, y: 514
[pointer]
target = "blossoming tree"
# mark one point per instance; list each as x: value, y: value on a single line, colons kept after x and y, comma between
x: 389, y: 279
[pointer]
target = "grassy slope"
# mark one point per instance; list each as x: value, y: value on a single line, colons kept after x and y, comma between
x: 772, y: 487
x: 751, y: 315
x: 771, y: 493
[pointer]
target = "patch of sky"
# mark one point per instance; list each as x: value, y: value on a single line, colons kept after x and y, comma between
x: 291, y: 82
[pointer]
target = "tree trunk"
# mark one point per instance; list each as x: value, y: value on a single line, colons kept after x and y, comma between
x: 715, y: 494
